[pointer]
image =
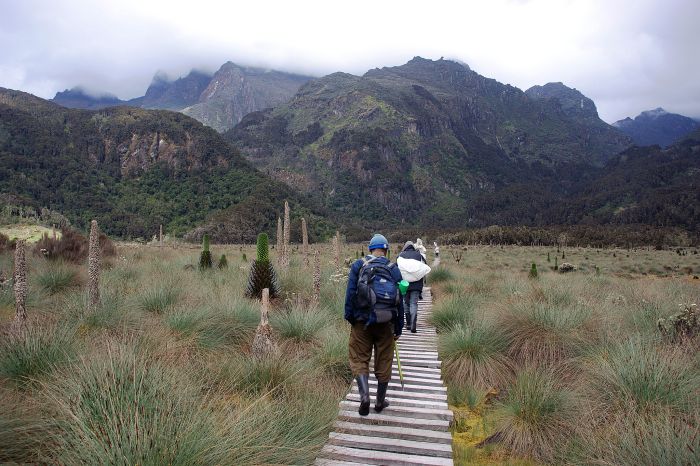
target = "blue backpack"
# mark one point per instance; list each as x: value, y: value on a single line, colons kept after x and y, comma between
x: 376, y: 291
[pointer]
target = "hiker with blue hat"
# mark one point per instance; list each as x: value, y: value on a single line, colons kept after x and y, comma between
x: 374, y: 308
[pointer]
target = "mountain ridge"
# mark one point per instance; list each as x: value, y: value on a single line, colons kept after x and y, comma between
x: 657, y: 127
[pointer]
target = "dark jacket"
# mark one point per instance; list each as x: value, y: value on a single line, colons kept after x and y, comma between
x: 351, y: 315
x: 411, y: 253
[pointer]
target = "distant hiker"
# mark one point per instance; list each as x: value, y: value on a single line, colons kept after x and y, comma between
x: 374, y: 308
x: 414, y: 268
x: 420, y: 248
x: 437, y: 249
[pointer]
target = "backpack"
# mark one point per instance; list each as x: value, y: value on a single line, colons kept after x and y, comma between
x: 376, y: 291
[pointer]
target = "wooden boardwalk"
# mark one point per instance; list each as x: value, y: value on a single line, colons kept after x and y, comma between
x: 414, y: 429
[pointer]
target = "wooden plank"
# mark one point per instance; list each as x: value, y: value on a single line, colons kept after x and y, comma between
x: 400, y: 401
x: 381, y: 457
x: 409, y: 447
x: 396, y: 421
x: 418, y: 435
x: 413, y: 388
x: 407, y: 394
x: 406, y: 411
x: 329, y: 462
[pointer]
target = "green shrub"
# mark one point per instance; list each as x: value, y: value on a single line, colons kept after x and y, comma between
x: 474, y: 355
x: 533, y: 271
x: 35, y: 352
x: 455, y: 310
x: 57, y: 277
x: 537, y: 417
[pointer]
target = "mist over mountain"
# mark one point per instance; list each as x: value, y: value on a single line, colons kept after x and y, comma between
x: 657, y: 127
x: 219, y: 100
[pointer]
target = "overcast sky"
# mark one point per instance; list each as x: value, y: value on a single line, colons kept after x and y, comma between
x: 627, y: 55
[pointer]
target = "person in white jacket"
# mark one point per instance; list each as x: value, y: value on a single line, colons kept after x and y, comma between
x: 413, y: 268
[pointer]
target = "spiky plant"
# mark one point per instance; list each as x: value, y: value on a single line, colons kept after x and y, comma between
x: 205, y: 261
x: 262, y: 274
x: 533, y: 271
x: 223, y: 262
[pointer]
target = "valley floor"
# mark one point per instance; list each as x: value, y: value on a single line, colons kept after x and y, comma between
x: 563, y: 368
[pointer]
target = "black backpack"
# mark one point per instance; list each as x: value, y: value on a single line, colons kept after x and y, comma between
x: 376, y: 291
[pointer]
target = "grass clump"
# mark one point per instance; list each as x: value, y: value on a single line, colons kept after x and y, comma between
x: 35, y: 351
x: 645, y: 378
x: 332, y: 356
x: 537, y: 416
x: 57, y: 277
x: 157, y: 300
x: 299, y: 325
x: 120, y: 408
x: 275, y: 375
x: 458, y: 309
x: 440, y: 275
x: 475, y: 356
x: 212, y: 327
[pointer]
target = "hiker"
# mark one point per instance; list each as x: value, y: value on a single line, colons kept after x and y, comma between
x: 420, y: 248
x: 413, y: 267
x: 374, y: 308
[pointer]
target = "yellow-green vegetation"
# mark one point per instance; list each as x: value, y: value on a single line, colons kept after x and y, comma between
x: 28, y: 232
x: 161, y: 372
x: 569, y: 368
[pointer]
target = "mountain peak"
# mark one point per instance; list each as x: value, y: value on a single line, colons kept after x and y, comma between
x: 657, y: 127
x: 79, y: 97
x: 572, y: 101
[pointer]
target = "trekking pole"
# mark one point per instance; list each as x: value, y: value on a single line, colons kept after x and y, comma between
x: 398, y: 362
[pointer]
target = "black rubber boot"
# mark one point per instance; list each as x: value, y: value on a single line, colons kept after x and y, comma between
x: 381, y: 402
x: 408, y: 321
x: 414, y: 324
x: 363, y: 388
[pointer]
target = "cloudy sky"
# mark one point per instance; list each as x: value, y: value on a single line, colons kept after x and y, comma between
x: 627, y: 55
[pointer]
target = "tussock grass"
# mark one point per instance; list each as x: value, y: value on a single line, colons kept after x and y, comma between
x: 57, y: 276
x: 120, y: 408
x: 300, y: 325
x: 537, y: 416
x: 158, y: 299
x: 440, y: 275
x: 643, y: 377
x: 475, y: 356
x: 35, y: 352
x: 275, y: 375
x: 631, y: 439
x: 544, y: 332
x: 212, y: 327
x: 332, y: 355
x: 455, y: 310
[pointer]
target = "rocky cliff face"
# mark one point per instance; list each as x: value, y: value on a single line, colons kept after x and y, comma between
x: 133, y: 169
x: 432, y: 135
x: 235, y: 91
x: 218, y: 101
x: 657, y: 127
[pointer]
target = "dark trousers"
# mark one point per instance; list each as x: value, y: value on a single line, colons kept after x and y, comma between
x: 379, y: 337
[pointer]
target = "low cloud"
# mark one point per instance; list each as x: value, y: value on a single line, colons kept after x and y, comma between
x: 626, y: 55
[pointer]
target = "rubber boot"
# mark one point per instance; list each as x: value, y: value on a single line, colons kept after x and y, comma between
x: 363, y: 388
x: 381, y: 402
x: 414, y: 324
x: 408, y: 321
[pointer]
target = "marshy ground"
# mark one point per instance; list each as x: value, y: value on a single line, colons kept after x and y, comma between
x: 559, y: 368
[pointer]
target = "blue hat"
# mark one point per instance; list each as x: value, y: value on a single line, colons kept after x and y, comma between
x: 378, y: 242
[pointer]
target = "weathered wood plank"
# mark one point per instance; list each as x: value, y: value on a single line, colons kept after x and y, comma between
x: 382, y: 457
x: 409, y: 447
x: 399, y: 401
x: 418, y: 413
x: 396, y: 421
x: 405, y: 433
